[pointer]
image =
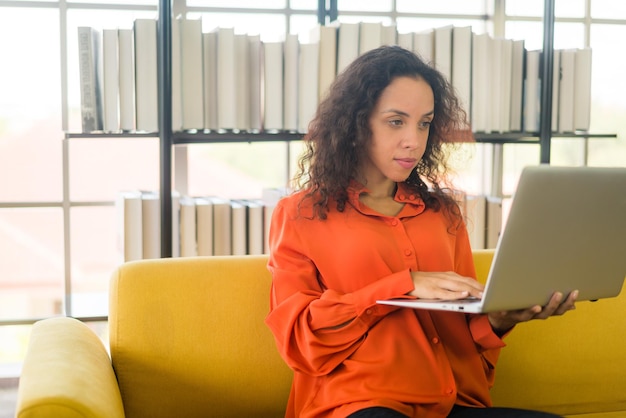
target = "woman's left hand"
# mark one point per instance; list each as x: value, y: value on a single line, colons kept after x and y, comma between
x: 503, y: 321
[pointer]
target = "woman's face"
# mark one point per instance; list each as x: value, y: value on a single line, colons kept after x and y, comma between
x: 400, y: 123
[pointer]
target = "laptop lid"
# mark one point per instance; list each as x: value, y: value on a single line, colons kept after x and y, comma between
x: 566, y: 230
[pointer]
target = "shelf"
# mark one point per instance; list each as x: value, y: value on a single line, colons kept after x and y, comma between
x: 233, y: 137
x: 203, y: 137
x: 94, y: 135
x: 530, y: 137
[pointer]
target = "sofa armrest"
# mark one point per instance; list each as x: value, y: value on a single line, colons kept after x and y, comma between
x: 67, y: 373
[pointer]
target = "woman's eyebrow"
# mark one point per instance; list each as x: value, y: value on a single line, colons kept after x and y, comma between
x: 403, y: 113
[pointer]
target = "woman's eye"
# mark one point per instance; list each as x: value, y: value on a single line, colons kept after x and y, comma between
x: 395, y: 122
x: 425, y: 124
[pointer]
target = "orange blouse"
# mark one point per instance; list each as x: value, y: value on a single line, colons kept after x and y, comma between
x: 349, y: 353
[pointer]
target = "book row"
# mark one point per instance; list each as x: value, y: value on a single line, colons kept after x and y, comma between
x: 201, y: 226
x: 226, y: 81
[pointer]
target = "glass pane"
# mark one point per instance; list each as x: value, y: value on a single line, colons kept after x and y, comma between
x: 441, y: 6
x: 301, y: 25
x: 99, y: 19
x: 569, y: 35
x: 271, y: 27
x: 524, y: 7
x: 608, y: 109
x: 567, y: 151
x: 30, y: 99
x: 32, y: 269
x: 101, y: 168
x: 236, y: 170
x: 93, y: 260
x: 255, y: 4
x: 303, y: 4
x: 570, y: 8
x: 364, y: 5
x: 386, y: 20
x: 516, y: 157
x: 608, y: 9
x: 530, y: 32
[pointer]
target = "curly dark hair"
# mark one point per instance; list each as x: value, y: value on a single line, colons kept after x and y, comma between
x: 339, y: 134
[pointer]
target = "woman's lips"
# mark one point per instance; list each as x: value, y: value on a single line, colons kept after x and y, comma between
x: 406, y: 162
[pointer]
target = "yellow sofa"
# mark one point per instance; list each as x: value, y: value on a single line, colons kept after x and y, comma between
x: 187, y: 339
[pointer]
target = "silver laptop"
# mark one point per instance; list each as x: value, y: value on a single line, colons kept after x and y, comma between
x: 566, y: 230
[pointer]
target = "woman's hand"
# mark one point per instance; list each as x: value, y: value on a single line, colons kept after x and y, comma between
x: 503, y: 321
x: 444, y: 285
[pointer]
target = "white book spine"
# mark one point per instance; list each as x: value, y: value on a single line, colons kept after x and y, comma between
x: 256, y: 71
x: 209, y: 45
x: 242, y: 82
x: 177, y: 78
x: 582, y: 92
x: 566, y: 90
x: 89, y: 51
x: 273, y: 63
x: 127, y: 80
x: 146, y: 98
x: 532, y: 86
x: 347, y: 44
x: 517, y: 83
x: 290, y: 87
x: 110, y: 62
x: 226, y: 90
x: 307, y: 85
x: 191, y: 73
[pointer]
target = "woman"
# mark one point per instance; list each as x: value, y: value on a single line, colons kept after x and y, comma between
x: 372, y: 219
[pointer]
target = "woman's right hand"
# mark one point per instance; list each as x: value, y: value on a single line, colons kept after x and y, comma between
x: 444, y: 285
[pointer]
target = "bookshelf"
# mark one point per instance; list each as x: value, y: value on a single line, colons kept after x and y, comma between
x: 169, y: 139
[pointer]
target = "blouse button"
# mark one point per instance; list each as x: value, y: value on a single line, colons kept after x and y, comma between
x: 408, y: 252
x: 394, y: 222
x: 412, y: 197
x: 435, y: 340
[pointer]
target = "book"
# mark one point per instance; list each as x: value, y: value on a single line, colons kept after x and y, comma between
x: 175, y: 223
x: 90, y: 69
x: 307, y: 84
x: 191, y: 72
x: 222, y: 235
x: 239, y: 232
x: 495, y: 69
x: 443, y: 51
x: 146, y: 88
x: 370, y: 36
x: 566, y: 90
x: 506, y: 72
x: 389, y: 35
x: 242, y: 82
x: 532, y: 88
x: 188, y: 241
x: 494, y: 221
x: 209, y: 58
x: 326, y: 37
x: 256, y: 73
x: 582, y: 90
x: 226, y: 79
x: 111, y: 85
x: 481, y: 82
x: 177, y: 77
x: 273, y: 75
x: 423, y: 45
x: 462, y: 64
x: 347, y: 43
x: 517, y: 83
x: 556, y: 84
x: 254, y: 225
x: 204, y: 226
x: 127, y: 79
x: 475, y: 218
x: 130, y: 234
x: 290, y: 86
x: 151, y: 224
x: 405, y: 40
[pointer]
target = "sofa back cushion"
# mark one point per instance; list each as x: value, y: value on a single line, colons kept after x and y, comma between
x: 188, y: 339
